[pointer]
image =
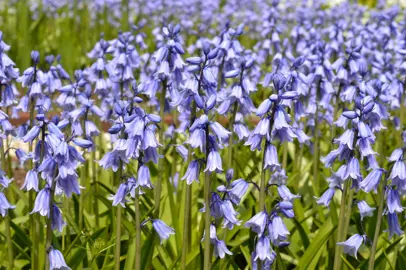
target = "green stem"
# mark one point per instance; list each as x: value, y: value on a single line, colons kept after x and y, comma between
x: 33, y: 220
x: 119, y: 174
x: 161, y: 161
x: 263, y: 184
x: 137, y: 225
x: 137, y: 232
x: 347, y: 217
x: 49, y: 233
x: 84, y: 175
x: 341, y: 221
x: 188, y: 197
x: 207, y: 216
x: 230, y: 140
x: 378, y: 223
x: 7, y: 218
x: 9, y: 243
x: 96, y: 188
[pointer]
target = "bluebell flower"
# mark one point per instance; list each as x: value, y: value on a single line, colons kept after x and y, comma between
x: 56, y: 260
x: 214, y: 162
x: 372, y: 180
x: 258, y: 223
x: 393, y: 201
x: 31, y: 181
x: 271, y: 158
x: 266, y: 264
x: 393, y: 225
x: 365, y: 210
x: 285, y: 193
x: 237, y: 190
x: 192, y: 172
x: 352, y: 244
x: 4, y: 205
x: 162, y: 229
x: 326, y: 198
x: 68, y: 183
x: 119, y: 197
x: 57, y: 221
x: 220, y: 249
x: 229, y: 214
x: 277, y: 230
x: 183, y: 151
x: 41, y: 204
x: 4, y: 180
x: 144, y: 177
x: 32, y: 134
x: 263, y: 249
x: 23, y: 156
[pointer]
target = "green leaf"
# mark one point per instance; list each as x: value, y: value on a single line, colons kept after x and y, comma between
x: 316, y: 246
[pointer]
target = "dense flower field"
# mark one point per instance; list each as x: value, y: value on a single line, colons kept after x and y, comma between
x: 202, y: 135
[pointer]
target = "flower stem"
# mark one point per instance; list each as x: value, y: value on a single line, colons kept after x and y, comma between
x: 7, y: 218
x: 263, y: 184
x: 137, y: 233
x: 31, y: 195
x: 84, y: 176
x: 378, y: 223
x: 188, y: 197
x: 207, y: 217
x: 96, y: 188
x: 341, y: 221
x: 118, y: 176
x: 230, y: 140
x: 49, y: 232
x: 158, y: 187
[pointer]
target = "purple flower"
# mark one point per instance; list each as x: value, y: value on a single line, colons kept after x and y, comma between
x: 277, y: 231
x: 162, y: 229
x: 4, y: 180
x: 371, y: 182
x: 229, y: 215
x: 23, y: 156
x: 144, y: 177
x: 192, y: 172
x: 352, y: 244
x: 119, y: 197
x: 258, y: 223
x: 393, y: 225
x: 365, y: 210
x: 56, y: 260
x: 263, y: 249
x: 271, y: 157
x: 31, y: 181
x: 41, y: 204
x: 69, y: 184
x: 32, y: 134
x: 285, y: 193
x: 238, y: 189
x: 220, y: 249
x: 326, y: 198
x: 214, y: 162
x: 393, y: 201
x: 57, y: 221
x: 4, y: 205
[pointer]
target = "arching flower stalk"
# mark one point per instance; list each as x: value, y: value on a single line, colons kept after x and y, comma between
x: 57, y: 162
x: 169, y: 74
x: 34, y: 80
x: 8, y: 74
x: 274, y: 126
